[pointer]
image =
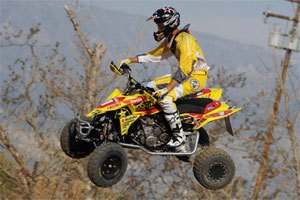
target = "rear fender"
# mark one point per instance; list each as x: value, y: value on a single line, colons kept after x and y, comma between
x: 224, y: 111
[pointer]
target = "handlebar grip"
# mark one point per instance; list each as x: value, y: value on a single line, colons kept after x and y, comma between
x: 125, y: 69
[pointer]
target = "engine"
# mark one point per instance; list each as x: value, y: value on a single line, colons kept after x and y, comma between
x: 153, y: 132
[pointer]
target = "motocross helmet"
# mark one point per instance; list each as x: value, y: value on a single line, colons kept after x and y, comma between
x: 170, y: 19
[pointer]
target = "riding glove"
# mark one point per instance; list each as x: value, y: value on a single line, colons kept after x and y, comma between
x: 160, y: 93
x: 125, y: 61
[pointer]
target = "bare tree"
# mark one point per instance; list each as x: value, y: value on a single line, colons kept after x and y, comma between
x: 290, y: 127
x: 28, y: 108
x: 91, y: 68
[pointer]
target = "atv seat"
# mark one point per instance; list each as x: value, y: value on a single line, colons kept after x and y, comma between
x: 196, y: 105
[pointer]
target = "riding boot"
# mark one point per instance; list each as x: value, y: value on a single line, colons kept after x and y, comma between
x: 176, y: 127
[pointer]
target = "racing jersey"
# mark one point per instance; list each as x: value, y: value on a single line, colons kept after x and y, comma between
x: 186, y: 50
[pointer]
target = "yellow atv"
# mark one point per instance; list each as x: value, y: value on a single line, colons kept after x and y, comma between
x: 133, y: 119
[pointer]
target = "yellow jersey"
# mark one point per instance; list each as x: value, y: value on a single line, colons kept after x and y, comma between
x: 184, y: 47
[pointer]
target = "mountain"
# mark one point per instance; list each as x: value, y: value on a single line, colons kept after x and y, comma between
x: 123, y: 35
x: 126, y: 35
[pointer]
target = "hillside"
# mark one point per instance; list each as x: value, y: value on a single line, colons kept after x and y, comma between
x: 123, y: 35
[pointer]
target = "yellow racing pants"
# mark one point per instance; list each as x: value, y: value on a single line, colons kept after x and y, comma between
x: 194, y: 83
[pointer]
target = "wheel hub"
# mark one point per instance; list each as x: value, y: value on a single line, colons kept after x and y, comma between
x: 217, y: 171
x: 111, y: 167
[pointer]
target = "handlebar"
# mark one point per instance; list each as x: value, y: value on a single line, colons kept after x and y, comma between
x: 125, y: 70
x: 139, y: 86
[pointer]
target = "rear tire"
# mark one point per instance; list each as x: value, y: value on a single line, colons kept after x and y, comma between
x: 72, y: 147
x: 107, y: 165
x: 213, y: 168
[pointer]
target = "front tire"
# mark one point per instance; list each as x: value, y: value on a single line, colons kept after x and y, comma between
x: 107, y: 165
x: 70, y: 145
x: 213, y: 168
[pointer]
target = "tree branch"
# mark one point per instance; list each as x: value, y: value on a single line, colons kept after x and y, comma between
x: 79, y: 33
x: 13, y: 151
x: 290, y: 126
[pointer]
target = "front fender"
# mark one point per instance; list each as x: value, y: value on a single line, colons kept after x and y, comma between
x: 115, y: 93
x: 116, y: 101
x: 111, y: 103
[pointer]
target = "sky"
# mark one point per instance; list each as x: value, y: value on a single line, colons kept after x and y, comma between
x: 238, y: 20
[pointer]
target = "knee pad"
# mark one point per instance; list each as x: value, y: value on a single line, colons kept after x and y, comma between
x: 167, y: 104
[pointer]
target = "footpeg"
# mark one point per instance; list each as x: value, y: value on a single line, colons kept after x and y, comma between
x: 183, y: 148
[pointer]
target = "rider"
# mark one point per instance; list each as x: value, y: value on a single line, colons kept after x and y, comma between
x: 191, y: 74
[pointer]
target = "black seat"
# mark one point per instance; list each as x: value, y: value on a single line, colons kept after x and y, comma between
x: 196, y: 105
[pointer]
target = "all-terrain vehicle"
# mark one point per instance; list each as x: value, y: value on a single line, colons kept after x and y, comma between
x: 133, y: 119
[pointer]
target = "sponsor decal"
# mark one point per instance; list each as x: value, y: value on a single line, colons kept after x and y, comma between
x: 210, y: 107
x: 219, y: 114
x: 134, y: 101
x: 203, y: 91
x: 145, y: 105
x: 130, y: 118
x: 194, y: 84
x: 113, y: 106
x: 108, y: 102
x: 112, y: 103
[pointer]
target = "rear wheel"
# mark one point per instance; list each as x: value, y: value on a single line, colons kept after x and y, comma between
x: 213, y: 168
x: 70, y: 145
x: 107, y: 165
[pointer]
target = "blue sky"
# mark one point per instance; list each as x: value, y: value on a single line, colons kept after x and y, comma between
x: 239, y: 20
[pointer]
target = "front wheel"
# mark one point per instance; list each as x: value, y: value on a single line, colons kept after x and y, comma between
x: 213, y: 168
x: 70, y: 145
x: 107, y: 165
